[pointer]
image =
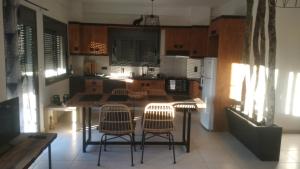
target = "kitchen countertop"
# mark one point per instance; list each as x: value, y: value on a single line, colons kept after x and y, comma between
x: 136, y: 78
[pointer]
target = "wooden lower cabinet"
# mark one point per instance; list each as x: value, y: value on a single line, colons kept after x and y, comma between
x: 155, y: 87
x: 93, y: 86
x: 194, y: 89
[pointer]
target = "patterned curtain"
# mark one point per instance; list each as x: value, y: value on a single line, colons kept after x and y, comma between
x: 20, y: 53
x: 260, y: 59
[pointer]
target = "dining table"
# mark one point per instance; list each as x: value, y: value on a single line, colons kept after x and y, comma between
x: 86, y: 101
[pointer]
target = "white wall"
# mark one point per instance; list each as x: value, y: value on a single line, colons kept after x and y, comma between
x: 126, y: 13
x: 2, y: 57
x: 288, y: 60
x: 232, y: 7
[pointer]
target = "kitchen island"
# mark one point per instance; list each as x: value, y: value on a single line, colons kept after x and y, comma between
x: 84, y: 101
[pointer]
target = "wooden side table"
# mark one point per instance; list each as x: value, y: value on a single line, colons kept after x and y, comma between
x: 25, y: 149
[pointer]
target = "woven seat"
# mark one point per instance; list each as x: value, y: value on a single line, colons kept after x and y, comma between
x: 116, y: 120
x: 158, y: 120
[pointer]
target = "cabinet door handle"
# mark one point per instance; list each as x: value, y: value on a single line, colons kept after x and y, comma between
x: 175, y: 46
x: 76, y: 48
x: 194, y: 51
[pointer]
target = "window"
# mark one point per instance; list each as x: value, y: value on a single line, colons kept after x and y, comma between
x: 55, y: 50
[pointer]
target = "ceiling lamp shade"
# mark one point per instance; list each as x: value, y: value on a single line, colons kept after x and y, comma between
x: 152, y: 20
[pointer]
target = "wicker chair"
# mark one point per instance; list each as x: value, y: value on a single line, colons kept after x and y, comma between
x: 158, y: 121
x: 124, y: 92
x: 120, y: 91
x: 115, y: 120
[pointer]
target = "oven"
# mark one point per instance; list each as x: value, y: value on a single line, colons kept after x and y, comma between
x: 177, y: 86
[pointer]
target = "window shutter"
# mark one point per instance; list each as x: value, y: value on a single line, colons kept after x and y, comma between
x: 55, y: 51
x: 25, y: 49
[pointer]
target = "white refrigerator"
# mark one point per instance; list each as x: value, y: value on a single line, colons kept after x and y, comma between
x: 208, y: 83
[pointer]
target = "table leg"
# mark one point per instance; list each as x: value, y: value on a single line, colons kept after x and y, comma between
x: 83, y: 130
x: 49, y: 156
x: 184, y: 127
x: 188, y: 132
x: 90, y: 124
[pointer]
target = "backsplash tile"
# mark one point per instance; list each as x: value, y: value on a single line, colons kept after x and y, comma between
x: 102, y: 66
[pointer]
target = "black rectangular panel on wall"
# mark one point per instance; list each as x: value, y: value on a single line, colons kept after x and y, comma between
x: 134, y: 46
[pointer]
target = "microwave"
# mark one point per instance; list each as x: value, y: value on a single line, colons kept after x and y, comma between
x: 177, y: 86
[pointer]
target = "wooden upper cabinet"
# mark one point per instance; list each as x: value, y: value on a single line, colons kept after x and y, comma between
x: 94, y: 39
x: 86, y: 39
x: 100, y: 40
x: 199, y: 42
x: 177, y: 41
x: 74, y: 38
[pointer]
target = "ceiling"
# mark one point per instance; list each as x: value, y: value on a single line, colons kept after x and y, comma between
x: 208, y: 3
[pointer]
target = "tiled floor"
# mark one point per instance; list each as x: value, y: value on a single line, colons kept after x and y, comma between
x: 209, y: 150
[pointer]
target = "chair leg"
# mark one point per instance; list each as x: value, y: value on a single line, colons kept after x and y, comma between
x: 133, y: 138
x: 169, y: 141
x: 173, y: 147
x: 131, y: 148
x: 101, y: 142
x: 105, y: 142
x: 143, y: 147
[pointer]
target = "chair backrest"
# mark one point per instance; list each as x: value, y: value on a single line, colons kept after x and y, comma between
x: 158, y: 117
x: 120, y: 91
x: 115, y: 119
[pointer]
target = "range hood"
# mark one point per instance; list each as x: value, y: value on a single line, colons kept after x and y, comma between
x: 177, y: 56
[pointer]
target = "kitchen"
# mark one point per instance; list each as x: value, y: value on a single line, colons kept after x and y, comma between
x: 173, y: 60
x: 179, y: 46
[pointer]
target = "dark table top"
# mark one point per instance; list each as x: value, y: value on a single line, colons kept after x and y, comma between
x: 25, y: 149
x: 110, y: 99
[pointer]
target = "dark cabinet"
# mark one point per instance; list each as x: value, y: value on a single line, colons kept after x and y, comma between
x: 76, y: 85
x: 134, y: 46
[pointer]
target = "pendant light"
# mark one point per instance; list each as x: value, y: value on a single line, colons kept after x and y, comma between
x: 152, y: 20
